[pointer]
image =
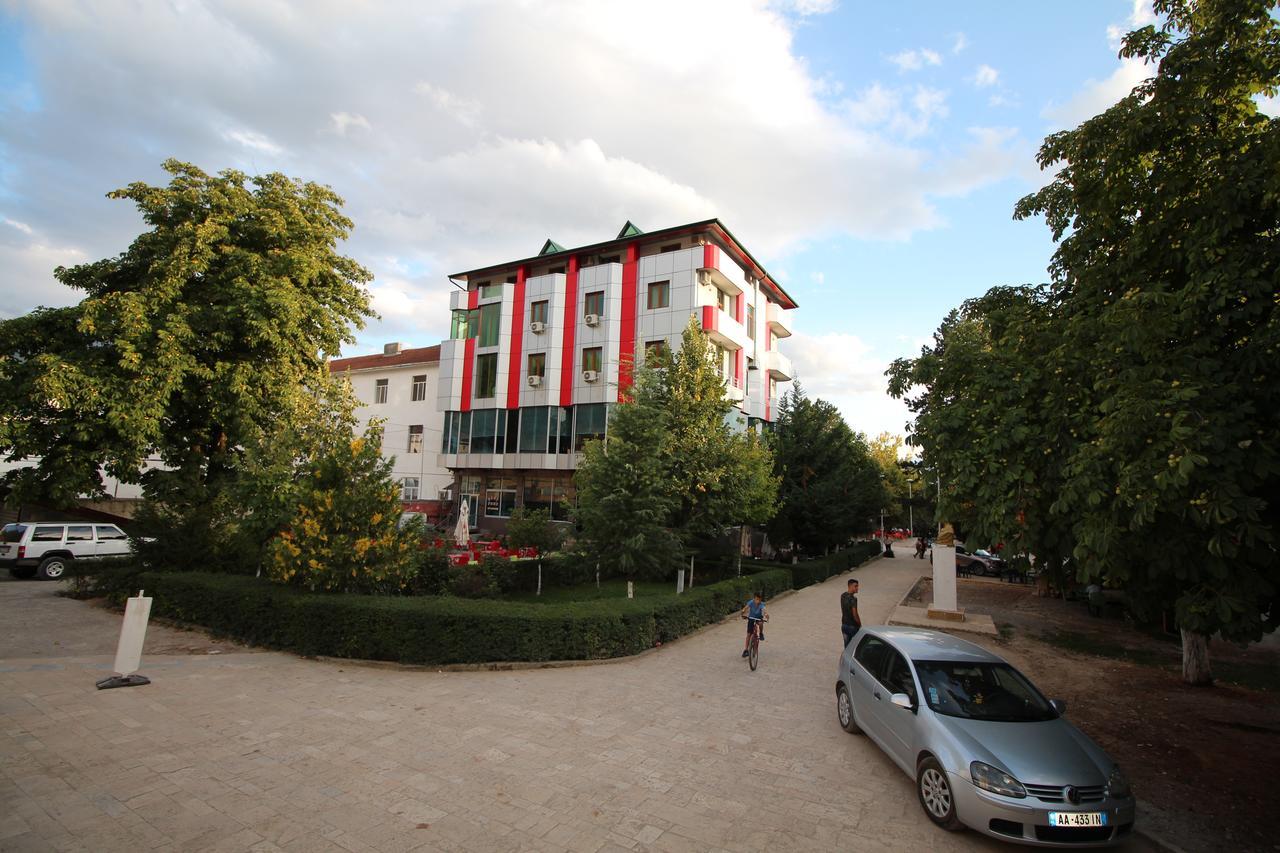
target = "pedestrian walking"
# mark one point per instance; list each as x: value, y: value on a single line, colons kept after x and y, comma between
x: 850, y: 621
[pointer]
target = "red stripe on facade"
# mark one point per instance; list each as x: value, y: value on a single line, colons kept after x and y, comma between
x: 570, y: 327
x: 627, y: 338
x: 737, y: 307
x: 709, y: 318
x: 739, y: 362
x: 710, y: 256
x: 469, y: 355
x: 514, y: 373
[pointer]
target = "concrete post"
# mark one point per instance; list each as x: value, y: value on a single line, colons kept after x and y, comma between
x: 944, y: 585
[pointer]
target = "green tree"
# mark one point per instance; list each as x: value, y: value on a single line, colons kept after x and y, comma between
x: 886, y: 451
x: 534, y: 528
x: 343, y: 534
x: 719, y: 478
x: 191, y: 344
x: 829, y: 483
x: 625, y: 497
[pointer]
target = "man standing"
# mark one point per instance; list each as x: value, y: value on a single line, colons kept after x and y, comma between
x: 850, y: 621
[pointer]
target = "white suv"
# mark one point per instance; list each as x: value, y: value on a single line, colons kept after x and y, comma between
x: 50, y: 547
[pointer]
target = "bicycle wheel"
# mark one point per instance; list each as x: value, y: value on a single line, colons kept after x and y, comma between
x: 753, y: 656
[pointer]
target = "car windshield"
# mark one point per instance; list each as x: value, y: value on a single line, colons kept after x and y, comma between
x: 12, y: 533
x: 982, y: 691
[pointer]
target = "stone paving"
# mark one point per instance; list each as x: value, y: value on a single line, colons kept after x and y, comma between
x: 680, y: 749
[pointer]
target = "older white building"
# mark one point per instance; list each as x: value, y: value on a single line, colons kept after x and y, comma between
x: 542, y: 347
x: 399, y: 388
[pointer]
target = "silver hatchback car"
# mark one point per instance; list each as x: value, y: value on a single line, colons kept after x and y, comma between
x: 985, y: 748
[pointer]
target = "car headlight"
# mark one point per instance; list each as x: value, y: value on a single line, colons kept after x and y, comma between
x: 996, y: 781
x: 1118, y: 784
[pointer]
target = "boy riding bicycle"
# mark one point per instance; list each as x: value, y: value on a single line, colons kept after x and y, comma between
x: 756, y: 615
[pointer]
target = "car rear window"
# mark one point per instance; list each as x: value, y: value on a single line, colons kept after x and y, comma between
x: 110, y: 531
x: 12, y: 532
x: 50, y: 533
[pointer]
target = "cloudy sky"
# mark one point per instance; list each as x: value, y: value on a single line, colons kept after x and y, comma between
x: 870, y: 154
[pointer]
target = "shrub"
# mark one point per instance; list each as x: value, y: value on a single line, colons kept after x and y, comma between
x: 439, y: 630
x: 534, y: 528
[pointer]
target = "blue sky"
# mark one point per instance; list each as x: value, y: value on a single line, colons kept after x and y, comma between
x: 870, y: 154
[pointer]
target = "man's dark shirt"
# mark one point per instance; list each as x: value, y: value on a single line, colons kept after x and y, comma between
x: 848, y: 601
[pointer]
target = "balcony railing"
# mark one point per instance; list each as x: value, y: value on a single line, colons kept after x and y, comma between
x: 779, y: 319
x: 777, y: 365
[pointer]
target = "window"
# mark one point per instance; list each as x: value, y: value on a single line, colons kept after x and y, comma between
x: 655, y: 352
x: 489, y: 291
x: 533, y: 429
x: 415, y: 438
x: 486, y: 375
x: 47, y: 533
x: 483, y: 423
x: 508, y: 431
x: 490, y: 324
x: 409, y: 489
x: 538, y: 312
x: 464, y: 324
x: 722, y: 361
x: 594, y: 303
x: 419, y: 388
x: 108, y: 532
x: 591, y: 357
x: 12, y: 532
x: 872, y: 653
x: 897, y: 677
x: 722, y: 300
x: 751, y: 322
x: 80, y: 533
x: 449, y: 433
x: 500, y: 498
x: 560, y: 433
x: 380, y: 391
x: 464, y: 432
x: 537, y: 364
x: 589, y: 425
x: 659, y: 294
x: 674, y: 247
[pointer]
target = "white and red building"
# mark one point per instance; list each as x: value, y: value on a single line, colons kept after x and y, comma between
x: 542, y: 347
x: 398, y: 387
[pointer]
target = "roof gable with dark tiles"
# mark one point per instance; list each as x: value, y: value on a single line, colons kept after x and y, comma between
x: 417, y: 355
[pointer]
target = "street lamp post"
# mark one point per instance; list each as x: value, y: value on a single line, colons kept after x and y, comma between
x: 911, y: 511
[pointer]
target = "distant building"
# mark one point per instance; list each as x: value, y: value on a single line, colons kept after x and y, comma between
x: 542, y: 347
x: 399, y: 387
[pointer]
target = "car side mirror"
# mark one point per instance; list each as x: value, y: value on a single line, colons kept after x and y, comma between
x: 902, y: 700
x: 1059, y: 706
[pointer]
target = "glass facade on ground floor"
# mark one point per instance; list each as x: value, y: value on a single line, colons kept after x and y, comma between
x: 496, y: 494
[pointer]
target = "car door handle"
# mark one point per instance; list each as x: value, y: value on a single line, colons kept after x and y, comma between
x: 876, y: 694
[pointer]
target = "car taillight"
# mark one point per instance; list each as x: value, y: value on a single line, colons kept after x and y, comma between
x: 22, y: 551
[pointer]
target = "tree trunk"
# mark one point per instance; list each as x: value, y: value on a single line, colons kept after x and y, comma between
x: 1195, y: 659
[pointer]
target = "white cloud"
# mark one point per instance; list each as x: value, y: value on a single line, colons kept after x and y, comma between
x: 1269, y: 106
x: 480, y: 153
x: 342, y: 121
x: 21, y: 226
x: 1098, y: 95
x: 914, y: 60
x: 1141, y: 14
x: 959, y: 42
x: 843, y: 370
x: 818, y: 278
x: 254, y: 141
x: 985, y: 76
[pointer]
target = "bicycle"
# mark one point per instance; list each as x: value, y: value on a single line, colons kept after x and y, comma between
x: 753, y: 645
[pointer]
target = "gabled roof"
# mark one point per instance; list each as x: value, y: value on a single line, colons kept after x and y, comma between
x: 418, y: 355
x: 714, y: 225
x: 551, y: 247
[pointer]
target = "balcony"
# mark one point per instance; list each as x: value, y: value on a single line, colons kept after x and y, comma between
x: 734, y: 391
x: 777, y: 365
x: 722, y: 328
x: 779, y: 319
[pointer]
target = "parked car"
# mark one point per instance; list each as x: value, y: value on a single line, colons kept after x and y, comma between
x: 986, y: 749
x: 978, y: 562
x: 48, y: 548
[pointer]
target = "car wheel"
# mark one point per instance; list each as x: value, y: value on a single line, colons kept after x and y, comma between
x: 22, y: 572
x: 53, y: 568
x: 936, y: 796
x: 844, y: 711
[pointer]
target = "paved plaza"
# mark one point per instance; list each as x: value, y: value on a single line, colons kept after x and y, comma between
x: 680, y: 749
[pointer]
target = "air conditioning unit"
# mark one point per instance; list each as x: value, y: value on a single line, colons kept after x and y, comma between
x: 535, y: 381
x: 592, y: 319
x: 537, y: 327
x: 590, y: 375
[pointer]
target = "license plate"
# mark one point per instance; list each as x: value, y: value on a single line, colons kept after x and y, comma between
x: 1077, y: 818
x: 4, y: 550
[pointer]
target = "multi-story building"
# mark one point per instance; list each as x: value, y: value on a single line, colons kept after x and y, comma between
x: 542, y: 347
x: 399, y: 388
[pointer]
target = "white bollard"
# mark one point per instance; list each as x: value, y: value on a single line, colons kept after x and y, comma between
x: 631, y: 590
x: 133, y: 632
x: 679, y: 581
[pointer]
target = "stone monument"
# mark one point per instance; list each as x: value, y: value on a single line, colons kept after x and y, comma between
x: 944, y: 577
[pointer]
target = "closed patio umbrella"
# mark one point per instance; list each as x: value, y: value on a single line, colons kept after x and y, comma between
x: 462, y: 530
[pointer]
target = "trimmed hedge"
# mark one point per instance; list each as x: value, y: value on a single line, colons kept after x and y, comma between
x: 438, y: 630
x: 809, y: 572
